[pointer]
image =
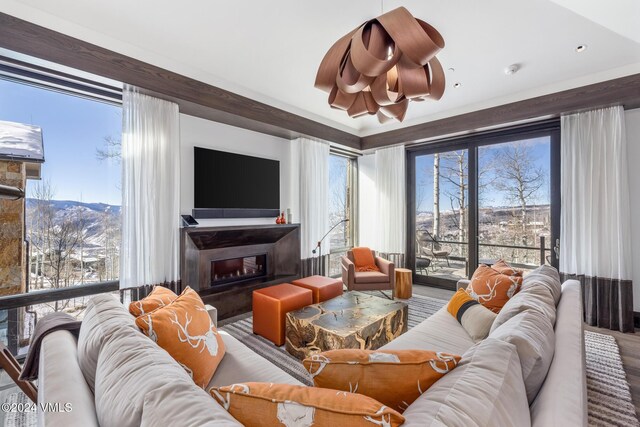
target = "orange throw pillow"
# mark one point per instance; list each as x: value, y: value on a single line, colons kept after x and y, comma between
x: 267, y: 405
x: 393, y: 377
x: 502, y: 267
x: 159, y: 297
x: 185, y: 330
x: 363, y: 260
x: 492, y: 288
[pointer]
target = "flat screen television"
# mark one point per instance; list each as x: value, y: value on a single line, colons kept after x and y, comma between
x: 234, y: 185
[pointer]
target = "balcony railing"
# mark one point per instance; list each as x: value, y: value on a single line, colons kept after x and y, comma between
x: 541, y: 249
x: 19, y: 313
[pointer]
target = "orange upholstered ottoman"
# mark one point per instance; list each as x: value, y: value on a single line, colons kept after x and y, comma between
x: 270, y: 306
x: 323, y: 288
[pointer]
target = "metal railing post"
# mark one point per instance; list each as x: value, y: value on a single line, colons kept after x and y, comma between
x: 542, y: 251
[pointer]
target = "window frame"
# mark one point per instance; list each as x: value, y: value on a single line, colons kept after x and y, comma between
x: 352, y: 197
x: 24, y: 73
x: 472, y: 142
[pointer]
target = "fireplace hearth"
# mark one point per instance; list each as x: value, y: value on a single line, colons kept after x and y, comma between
x: 238, y: 269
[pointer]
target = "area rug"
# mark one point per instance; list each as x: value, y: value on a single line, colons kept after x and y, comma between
x: 608, y: 392
x: 19, y: 419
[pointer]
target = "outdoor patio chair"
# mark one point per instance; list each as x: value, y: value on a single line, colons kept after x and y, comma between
x: 437, y: 250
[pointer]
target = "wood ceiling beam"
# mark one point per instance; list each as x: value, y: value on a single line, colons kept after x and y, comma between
x: 624, y: 91
x: 193, y: 96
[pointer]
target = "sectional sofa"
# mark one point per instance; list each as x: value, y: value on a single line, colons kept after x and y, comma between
x: 530, y: 370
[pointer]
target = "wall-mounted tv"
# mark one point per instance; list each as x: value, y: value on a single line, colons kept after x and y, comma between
x: 229, y: 185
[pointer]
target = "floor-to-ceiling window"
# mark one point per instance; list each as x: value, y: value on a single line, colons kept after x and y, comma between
x: 482, y: 198
x: 342, y: 175
x: 72, y: 211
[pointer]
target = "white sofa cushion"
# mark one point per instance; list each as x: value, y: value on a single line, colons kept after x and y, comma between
x: 240, y: 365
x: 130, y: 366
x: 532, y: 334
x: 486, y: 389
x: 540, y: 291
x: 181, y: 404
x: 532, y: 298
x: 546, y: 276
x: 562, y: 400
x: 103, y: 316
x: 61, y: 380
x: 440, y: 332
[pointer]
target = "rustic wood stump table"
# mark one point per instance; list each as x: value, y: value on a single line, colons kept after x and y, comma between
x: 403, y: 283
x: 353, y: 320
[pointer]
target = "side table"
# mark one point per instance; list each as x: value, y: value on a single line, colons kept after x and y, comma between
x: 403, y: 283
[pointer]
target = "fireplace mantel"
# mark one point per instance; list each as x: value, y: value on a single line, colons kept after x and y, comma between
x: 203, y: 247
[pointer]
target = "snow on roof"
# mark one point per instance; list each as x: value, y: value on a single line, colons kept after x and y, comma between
x: 21, y: 142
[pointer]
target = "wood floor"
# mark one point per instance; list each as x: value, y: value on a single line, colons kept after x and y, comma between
x: 629, y: 344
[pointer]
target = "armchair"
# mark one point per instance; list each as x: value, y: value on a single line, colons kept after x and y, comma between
x: 383, y: 280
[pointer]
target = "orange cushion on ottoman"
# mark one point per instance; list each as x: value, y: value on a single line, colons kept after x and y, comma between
x: 270, y: 306
x: 323, y: 288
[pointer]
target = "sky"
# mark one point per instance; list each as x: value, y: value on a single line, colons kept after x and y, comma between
x: 539, y: 153
x: 73, y: 128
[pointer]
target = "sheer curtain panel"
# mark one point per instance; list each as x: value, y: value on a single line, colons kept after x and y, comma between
x: 151, y: 190
x: 595, y: 245
x: 314, y: 198
x: 391, y: 211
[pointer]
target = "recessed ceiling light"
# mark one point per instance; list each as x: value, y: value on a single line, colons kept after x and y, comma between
x: 457, y: 85
x: 581, y: 48
x: 512, y: 69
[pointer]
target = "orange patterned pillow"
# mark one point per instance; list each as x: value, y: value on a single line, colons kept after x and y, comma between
x: 393, y: 377
x: 159, y: 297
x: 185, y: 330
x: 267, y: 405
x: 501, y: 266
x: 492, y: 288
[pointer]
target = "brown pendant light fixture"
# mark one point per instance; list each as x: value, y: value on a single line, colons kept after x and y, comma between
x: 382, y: 65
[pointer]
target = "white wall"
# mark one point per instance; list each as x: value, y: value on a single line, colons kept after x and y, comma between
x: 633, y: 158
x: 367, y: 200
x: 196, y: 132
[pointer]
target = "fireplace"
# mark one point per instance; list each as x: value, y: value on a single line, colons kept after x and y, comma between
x: 238, y: 269
x: 226, y: 264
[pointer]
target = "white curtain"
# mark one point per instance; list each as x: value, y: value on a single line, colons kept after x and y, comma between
x: 314, y: 198
x: 391, y: 204
x: 151, y: 190
x: 595, y: 243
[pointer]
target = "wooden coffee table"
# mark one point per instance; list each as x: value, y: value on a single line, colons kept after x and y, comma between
x: 352, y: 320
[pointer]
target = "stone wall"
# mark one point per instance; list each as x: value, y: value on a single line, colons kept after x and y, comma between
x: 12, y: 254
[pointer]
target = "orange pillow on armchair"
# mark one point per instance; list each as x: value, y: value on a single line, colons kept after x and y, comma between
x: 364, y: 260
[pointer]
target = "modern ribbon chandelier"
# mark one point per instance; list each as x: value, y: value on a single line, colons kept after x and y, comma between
x: 381, y: 65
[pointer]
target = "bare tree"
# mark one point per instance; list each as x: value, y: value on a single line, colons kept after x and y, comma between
x: 55, y: 239
x: 339, y: 199
x: 521, y: 181
x: 112, y: 149
x: 454, y: 170
x: 519, y: 178
x: 436, y: 195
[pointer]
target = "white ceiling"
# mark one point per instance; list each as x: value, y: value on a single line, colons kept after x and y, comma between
x: 270, y: 50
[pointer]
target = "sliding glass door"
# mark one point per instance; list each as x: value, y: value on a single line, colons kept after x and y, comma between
x: 441, y: 215
x: 478, y: 199
x: 514, y: 201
